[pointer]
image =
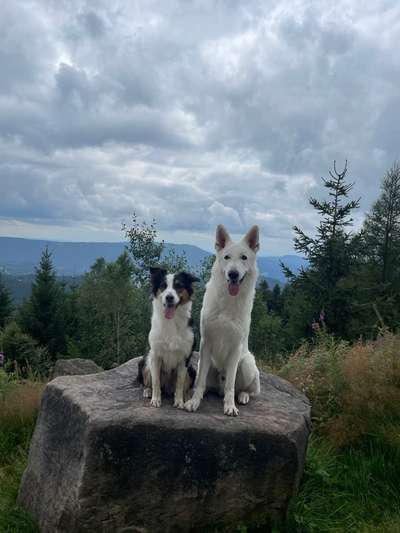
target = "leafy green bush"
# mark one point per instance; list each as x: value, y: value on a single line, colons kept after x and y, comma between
x: 23, y: 355
x: 266, y: 331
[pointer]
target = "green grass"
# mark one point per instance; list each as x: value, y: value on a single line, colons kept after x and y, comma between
x: 357, y: 489
x: 18, y: 409
x: 12, y: 518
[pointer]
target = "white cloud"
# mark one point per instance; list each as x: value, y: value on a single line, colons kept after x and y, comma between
x: 225, y: 215
x: 192, y: 113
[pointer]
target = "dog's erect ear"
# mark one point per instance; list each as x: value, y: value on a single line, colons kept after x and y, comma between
x: 221, y: 238
x: 156, y: 272
x: 157, y: 276
x: 252, y: 238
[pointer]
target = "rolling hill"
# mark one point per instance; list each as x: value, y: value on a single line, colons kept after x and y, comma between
x: 19, y: 257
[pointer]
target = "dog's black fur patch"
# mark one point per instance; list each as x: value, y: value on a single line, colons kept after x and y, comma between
x: 184, y: 280
x: 190, y: 368
x: 157, y: 278
x: 141, y: 366
x: 192, y: 373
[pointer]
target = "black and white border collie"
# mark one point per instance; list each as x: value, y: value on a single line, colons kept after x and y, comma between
x: 166, y: 367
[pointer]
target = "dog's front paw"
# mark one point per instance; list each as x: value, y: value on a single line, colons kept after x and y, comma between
x: 147, y: 392
x: 155, y: 402
x: 244, y: 398
x: 192, y: 404
x: 231, y: 410
x: 179, y: 404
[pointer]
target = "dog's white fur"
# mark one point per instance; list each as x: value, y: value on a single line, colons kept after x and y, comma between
x: 171, y: 342
x: 225, y: 360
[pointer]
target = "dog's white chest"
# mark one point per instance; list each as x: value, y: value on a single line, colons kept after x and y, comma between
x: 171, y: 342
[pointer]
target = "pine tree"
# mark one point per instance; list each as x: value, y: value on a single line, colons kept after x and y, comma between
x: 381, y: 230
x: 41, y: 314
x: 6, y: 306
x: 277, y: 299
x: 330, y: 253
x: 272, y: 298
x: 266, y: 332
x: 265, y: 292
x: 376, y: 283
x: 327, y: 252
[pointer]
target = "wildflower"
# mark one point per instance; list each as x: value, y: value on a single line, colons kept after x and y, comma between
x: 315, y: 325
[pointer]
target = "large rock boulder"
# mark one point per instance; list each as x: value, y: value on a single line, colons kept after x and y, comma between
x: 75, y: 367
x: 103, y: 460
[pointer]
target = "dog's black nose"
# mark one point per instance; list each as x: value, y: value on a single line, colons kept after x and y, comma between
x: 233, y: 275
x: 169, y: 299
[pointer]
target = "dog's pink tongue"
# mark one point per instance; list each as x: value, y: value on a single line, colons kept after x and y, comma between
x: 233, y: 288
x: 169, y: 312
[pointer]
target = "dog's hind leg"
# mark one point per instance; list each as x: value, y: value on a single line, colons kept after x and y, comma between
x: 144, y: 377
x: 247, y: 379
x: 181, y: 374
x: 215, y: 383
x: 147, y: 392
x: 201, y: 382
x: 189, y: 379
x: 243, y: 398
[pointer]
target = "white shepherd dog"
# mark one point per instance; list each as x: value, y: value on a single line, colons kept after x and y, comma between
x: 225, y: 361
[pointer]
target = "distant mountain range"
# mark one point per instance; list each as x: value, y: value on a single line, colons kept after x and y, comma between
x: 19, y: 257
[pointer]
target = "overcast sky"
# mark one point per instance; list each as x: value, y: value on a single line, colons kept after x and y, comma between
x: 191, y: 112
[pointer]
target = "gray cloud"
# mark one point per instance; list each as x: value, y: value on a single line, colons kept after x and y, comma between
x: 191, y: 112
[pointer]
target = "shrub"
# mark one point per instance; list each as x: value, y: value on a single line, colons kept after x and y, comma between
x: 19, y: 404
x: 370, y: 402
x: 354, y: 390
x: 23, y: 355
x: 315, y: 368
x: 266, y: 332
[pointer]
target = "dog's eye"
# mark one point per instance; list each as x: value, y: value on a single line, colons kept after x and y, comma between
x: 163, y: 286
x: 243, y: 257
x: 178, y: 286
x: 227, y: 257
